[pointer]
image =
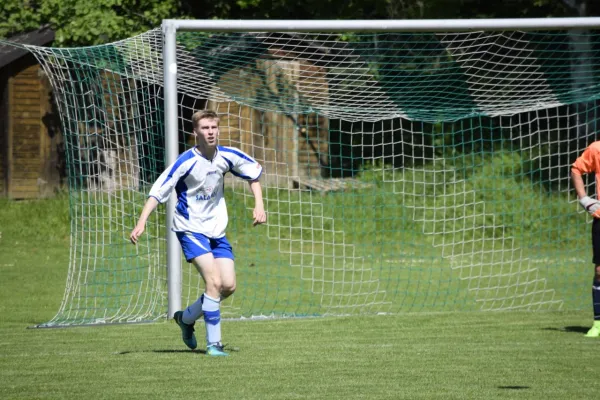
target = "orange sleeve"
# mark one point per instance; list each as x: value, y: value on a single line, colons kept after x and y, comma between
x: 586, y: 164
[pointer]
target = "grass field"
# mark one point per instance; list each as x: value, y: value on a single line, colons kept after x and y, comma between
x: 454, y: 355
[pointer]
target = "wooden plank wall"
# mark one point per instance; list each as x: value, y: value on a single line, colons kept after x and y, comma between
x: 52, y: 162
x: 313, y: 143
x: 28, y: 144
x: 4, y: 120
x: 287, y: 145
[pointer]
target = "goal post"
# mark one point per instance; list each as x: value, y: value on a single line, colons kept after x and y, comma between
x: 172, y: 152
x: 170, y: 27
x: 409, y: 165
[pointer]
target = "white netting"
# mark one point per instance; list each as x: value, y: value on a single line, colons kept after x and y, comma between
x: 404, y: 172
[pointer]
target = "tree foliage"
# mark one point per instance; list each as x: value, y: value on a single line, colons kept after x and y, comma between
x: 386, y: 9
x: 85, y: 22
x: 88, y: 22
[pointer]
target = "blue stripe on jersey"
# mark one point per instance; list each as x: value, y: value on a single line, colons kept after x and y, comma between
x: 229, y: 163
x: 232, y: 171
x: 226, y: 150
x: 237, y: 153
x: 238, y: 175
x: 244, y: 176
x: 181, y: 189
x: 182, y: 158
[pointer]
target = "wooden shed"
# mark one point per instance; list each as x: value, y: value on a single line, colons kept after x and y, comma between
x: 29, y: 150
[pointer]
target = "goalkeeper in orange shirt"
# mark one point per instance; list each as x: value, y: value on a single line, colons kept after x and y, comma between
x: 587, y: 163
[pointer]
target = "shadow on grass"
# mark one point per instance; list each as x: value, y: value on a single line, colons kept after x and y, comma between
x: 122, y: 353
x: 513, y: 387
x: 569, y: 329
x: 171, y: 351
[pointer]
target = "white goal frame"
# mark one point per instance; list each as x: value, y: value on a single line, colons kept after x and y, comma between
x: 171, y: 26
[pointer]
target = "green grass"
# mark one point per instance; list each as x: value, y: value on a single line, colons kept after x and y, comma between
x: 453, y: 355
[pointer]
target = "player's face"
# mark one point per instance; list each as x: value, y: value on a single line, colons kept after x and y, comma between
x: 207, y: 132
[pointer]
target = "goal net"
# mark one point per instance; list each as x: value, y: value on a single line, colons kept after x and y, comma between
x: 404, y: 172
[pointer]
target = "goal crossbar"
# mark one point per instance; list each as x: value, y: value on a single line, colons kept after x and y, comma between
x: 392, y: 25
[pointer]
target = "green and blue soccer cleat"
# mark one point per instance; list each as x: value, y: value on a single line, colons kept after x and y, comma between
x: 187, y: 331
x: 216, y: 350
x: 594, y: 330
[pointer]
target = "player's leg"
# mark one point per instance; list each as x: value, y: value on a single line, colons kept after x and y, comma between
x: 193, y: 312
x: 223, y: 253
x: 196, y: 249
x: 209, y: 270
x: 228, y: 283
x: 595, y: 330
x: 226, y: 269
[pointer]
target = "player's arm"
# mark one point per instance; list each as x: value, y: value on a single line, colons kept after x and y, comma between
x: 150, y: 206
x: 245, y: 167
x: 578, y: 184
x: 159, y: 193
x: 583, y: 165
x: 259, y: 214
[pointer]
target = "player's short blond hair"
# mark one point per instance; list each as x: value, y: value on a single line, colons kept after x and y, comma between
x: 204, y: 114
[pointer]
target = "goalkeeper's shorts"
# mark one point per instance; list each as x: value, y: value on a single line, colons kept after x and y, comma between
x: 196, y: 244
x: 596, y: 241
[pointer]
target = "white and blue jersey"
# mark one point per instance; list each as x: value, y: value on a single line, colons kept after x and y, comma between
x: 198, y: 183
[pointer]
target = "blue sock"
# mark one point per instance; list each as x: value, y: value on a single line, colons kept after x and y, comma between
x: 596, y: 299
x: 193, y: 312
x: 212, y: 319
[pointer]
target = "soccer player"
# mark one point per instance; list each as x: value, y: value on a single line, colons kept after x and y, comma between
x: 587, y: 163
x: 201, y: 218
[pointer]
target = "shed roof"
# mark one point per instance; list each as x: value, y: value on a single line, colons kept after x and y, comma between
x: 12, y: 48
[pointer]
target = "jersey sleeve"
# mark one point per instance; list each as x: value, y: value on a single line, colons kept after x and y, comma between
x: 585, y: 163
x: 164, y: 185
x: 241, y: 164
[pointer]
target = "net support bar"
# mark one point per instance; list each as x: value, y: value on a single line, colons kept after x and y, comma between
x: 172, y: 152
x: 425, y: 25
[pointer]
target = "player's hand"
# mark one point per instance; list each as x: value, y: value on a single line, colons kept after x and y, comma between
x: 137, y: 232
x: 591, y: 206
x: 259, y: 215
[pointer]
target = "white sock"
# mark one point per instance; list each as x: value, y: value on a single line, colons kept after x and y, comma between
x: 212, y: 319
x: 193, y: 312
